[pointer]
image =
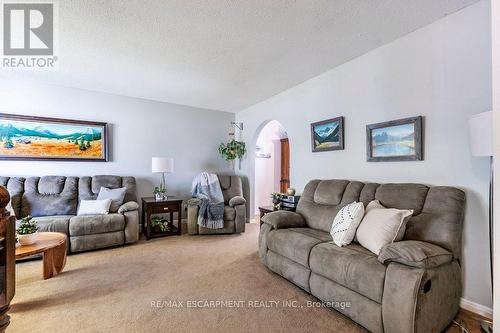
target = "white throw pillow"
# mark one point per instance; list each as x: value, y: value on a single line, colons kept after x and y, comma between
x: 382, y: 226
x: 94, y: 207
x: 117, y: 195
x: 346, y: 222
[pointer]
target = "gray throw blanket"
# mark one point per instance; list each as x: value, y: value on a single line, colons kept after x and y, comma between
x: 206, y: 187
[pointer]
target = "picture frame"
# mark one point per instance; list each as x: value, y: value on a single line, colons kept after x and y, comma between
x: 327, y: 135
x: 28, y: 138
x: 395, y: 140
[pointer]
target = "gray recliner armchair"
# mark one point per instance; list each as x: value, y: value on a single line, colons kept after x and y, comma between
x: 234, y: 209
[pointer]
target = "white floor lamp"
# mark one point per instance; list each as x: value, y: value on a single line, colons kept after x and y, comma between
x: 481, y: 143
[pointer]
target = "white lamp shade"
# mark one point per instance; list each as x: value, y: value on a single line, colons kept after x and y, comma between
x: 162, y: 164
x: 481, y: 134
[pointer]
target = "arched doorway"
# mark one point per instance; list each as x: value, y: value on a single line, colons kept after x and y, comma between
x: 272, y: 163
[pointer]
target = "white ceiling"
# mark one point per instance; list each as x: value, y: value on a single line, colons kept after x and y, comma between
x: 222, y: 54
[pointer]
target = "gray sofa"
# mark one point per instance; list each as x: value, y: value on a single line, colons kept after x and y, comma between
x: 234, y: 209
x: 53, y: 202
x: 412, y: 286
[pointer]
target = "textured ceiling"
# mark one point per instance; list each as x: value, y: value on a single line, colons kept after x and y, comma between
x: 221, y: 54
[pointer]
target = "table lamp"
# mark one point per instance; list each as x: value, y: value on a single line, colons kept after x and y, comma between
x: 162, y: 165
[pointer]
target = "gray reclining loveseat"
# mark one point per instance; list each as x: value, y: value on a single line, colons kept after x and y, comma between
x: 53, y: 202
x: 411, y: 286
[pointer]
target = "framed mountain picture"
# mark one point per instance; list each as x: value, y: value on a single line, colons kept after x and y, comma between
x: 396, y: 140
x: 327, y: 135
x: 52, y: 139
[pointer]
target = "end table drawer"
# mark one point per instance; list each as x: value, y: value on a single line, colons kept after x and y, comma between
x: 164, y: 209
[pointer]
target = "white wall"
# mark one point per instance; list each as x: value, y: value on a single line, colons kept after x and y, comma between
x: 495, y: 14
x: 443, y: 72
x: 139, y: 130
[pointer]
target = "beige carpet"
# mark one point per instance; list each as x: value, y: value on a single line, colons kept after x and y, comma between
x: 112, y: 291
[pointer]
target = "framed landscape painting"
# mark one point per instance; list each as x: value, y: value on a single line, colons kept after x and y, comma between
x: 397, y: 140
x: 52, y: 139
x: 328, y: 135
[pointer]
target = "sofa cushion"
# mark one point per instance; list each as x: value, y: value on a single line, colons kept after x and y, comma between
x: 293, y: 245
x: 315, y: 233
x: 57, y: 223
x: 321, y: 200
x: 330, y: 192
x: 402, y: 196
x: 229, y: 213
x: 49, y: 196
x: 96, y: 224
x: 94, y: 207
x: 116, y: 195
x: 351, y: 266
x: 382, y: 226
x: 89, y: 187
x: 346, y: 222
x: 231, y: 187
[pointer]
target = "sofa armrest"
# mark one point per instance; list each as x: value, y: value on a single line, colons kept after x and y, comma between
x: 128, y: 207
x: 192, y: 215
x: 194, y: 202
x: 236, y: 201
x: 283, y: 219
x: 415, y: 254
x: 131, y: 226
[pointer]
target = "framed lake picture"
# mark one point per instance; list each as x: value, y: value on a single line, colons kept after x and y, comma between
x: 328, y: 135
x: 52, y: 139
x: 397, y: 140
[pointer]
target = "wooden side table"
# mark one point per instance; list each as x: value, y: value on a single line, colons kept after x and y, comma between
x: 170, y: 206
x: 264, y: 210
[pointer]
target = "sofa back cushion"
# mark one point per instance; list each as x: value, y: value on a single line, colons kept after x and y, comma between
x: 89, y: 187
x: 15, y: 187
x: 231, y: 187
x: 437, y: 211
x: 49, y: 195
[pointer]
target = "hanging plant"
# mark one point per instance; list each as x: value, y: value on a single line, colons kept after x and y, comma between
x: 232, y: 150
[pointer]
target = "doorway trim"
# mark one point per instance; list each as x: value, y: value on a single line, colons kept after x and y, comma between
x: 251, y: 175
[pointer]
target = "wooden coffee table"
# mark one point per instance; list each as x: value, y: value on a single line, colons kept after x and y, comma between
x: 53, y: 247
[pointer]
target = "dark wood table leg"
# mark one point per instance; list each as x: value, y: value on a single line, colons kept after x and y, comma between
x: 148, y: 225
x: 179, y: 219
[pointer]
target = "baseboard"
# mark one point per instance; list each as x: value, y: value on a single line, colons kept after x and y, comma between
x: 476, y: 308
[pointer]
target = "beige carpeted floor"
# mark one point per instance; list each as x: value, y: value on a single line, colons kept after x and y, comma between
x: 112, y: 291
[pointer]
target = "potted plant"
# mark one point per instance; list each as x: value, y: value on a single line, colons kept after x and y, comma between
x: 160, y: 224
x: 159, y: 193
x: 232, y: 150
x: 276, y: 199
x: 26, y: 232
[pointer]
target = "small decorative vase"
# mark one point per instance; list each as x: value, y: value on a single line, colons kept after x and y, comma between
x: 28, y: 239
x: 158, y: 197
x: 291, y: 191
